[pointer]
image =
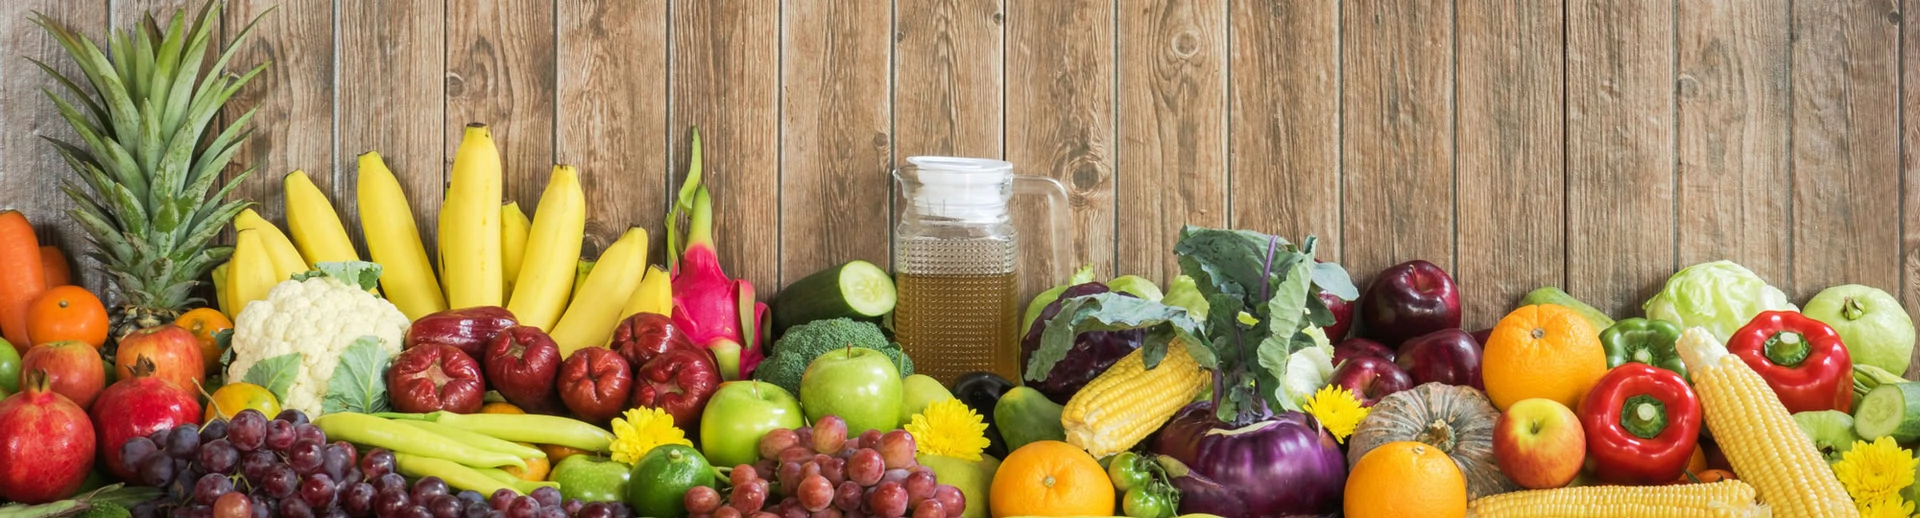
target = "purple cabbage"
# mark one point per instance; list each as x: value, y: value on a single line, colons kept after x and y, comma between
x: 1280, y: 465
x: 1093, y: 352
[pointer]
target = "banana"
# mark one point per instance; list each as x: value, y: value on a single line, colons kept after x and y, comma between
x: 220, y: 298
x: 553, y: 252
x: 394, y: 241
x: 250, y: 273
x: 286, y: 258
x: 470, y: 224
x: 513, y: 241
x: 316, y: 227
x: 654, y: 295
x: 590, y: 319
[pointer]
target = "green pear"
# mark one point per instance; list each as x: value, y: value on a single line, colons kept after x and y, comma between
x: 918, y: 391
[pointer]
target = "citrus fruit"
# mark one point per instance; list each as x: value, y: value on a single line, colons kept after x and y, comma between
x: 1403, y: 479
x: 67, y: 313
x: 500, y: 407
x: 971, y: 477
x: 557, y: 453
x: 662, y: 477
x: 537, y: 468
x: 231, y: 398
x: 1543, y: 351
x: 204, y: 323
x: 1052, y: 478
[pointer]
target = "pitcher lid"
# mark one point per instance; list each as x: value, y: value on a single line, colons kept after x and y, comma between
x: 964, y: 189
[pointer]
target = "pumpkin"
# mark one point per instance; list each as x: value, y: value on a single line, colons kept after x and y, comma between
x: 1457, y: 420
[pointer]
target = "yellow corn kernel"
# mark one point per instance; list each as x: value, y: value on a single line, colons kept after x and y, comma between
x: 1723, y: 499
x: 1129, y: 401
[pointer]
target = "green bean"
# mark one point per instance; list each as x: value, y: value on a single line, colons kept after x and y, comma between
x: 530, y: 428
x: 373, y: 431
x: 483, y: 442
x: 462, y: 477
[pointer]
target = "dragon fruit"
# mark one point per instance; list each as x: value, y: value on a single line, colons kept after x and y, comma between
x: 715, y: 311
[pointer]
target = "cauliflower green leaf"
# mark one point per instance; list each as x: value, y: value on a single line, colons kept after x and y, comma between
x: 357, y: 385
x: 360, y: 274
x: 276, y: 374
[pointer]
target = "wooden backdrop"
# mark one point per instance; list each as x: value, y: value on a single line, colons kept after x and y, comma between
x: 1597, y: 145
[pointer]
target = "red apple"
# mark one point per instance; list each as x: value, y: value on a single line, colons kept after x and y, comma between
x: 137, y: 406
x: 1353, y: 347
x: 46, y: 442
x: 1481, y: 336
x: 73, y: 369
x: 1539, y: 443
x: 1408, y: 300
x: 1370, y: 378
x: 1448, y: 356
x: 174, y: 351
x: 1342, y: 315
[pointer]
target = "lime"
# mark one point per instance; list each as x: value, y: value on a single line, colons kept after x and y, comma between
x: 662, y: 477
x: 9, y: 367
x: 231, y: 398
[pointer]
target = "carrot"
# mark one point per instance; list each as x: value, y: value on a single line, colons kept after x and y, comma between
x: 55, y: 265
x: 21, y: 276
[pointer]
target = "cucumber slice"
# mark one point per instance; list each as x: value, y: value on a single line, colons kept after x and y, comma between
x: 857, y: 290
x: 1891, y: 410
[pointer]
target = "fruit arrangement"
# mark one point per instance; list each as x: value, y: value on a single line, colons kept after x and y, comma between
x: 507, y: 373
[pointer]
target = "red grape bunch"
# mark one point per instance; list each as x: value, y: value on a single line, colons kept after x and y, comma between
x: 818, y: 472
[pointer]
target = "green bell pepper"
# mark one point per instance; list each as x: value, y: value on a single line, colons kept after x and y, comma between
x: 1639, y: 340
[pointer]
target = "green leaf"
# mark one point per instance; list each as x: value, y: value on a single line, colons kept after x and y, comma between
x: 357, y: 384
x: 120, y: 494
x: 1104, y: 312
x: 359, y: 274
x: 276, y: 374
x: 224, y: 339
x: 1288, y: 307
x: 1233, y: 262
x: 1334, y: 279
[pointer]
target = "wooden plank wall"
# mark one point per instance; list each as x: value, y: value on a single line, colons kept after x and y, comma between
x: 1593, y: 144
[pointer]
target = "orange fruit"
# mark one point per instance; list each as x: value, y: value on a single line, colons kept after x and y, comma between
x: 204, y: 323
x: 1052, y: 478
x: 67, y: 313
x: 231, y: 398
x: 1403, y: 479
x: 537, y: 468
x: 1543, y: 351
x: 557, y: 453
x: 500, y: 407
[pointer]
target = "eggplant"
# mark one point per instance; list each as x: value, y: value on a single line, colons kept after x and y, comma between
x: 981, y: 391
x: 1092, y: 353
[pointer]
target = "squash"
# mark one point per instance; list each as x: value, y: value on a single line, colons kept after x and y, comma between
x: 1458, y: 420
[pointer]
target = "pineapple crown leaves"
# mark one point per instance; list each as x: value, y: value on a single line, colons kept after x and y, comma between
x: 149, y: 152
x: 1260, y: 290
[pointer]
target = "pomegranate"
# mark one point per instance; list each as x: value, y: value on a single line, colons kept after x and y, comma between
x: 46, y: 443
x: 137, y: 407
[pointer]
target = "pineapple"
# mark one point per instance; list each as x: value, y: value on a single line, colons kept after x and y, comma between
x: 151, y: 153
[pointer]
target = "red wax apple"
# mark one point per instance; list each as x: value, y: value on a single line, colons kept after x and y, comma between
x: 136, y: 406
x: 521, y: 364
x: 46, y: 442
x: 1353, y: 347
x: 430, y: 378
x: 645, y: 335
x: 595, y: 383
x: 174, y: 351
x: 678, y: 381
x: 1408, y: 300
x: 1448, y: 356
x: 468, y: 329
x: 73, y: 369
x: 1370, y: 378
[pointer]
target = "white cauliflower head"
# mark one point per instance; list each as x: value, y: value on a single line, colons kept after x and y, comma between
x: 318, y: 318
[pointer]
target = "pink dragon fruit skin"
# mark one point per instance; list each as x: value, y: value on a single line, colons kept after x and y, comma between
x: 706, y: 305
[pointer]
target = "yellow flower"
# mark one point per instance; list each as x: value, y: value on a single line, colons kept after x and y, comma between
x: 1894, y: 507
x: 641, y: 430
x: 1338, y: 410
x: 949, y: 428
x: 1875, y: 472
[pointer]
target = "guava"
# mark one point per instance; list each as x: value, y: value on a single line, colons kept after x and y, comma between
x: 1875, y: 329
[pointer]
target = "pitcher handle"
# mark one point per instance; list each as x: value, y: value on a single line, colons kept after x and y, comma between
x: 1056, y: 217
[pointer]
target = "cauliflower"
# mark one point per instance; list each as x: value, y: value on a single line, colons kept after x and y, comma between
x: 317, y: 317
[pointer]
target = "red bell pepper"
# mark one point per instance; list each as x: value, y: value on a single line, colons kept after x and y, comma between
x: 1642, y: 424
x: 1801, y: 358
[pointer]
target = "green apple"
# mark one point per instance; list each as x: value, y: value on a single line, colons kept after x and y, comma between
x: 739, y: 413
x: 9, y: 367
x: 1831, y: 432
x: 860, y: 385
x: 972, y: 478
x: 592, y: 479
x: 1876, y: 330
x: 918, y: 391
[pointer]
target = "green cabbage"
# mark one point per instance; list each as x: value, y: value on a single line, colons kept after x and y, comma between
x: 1719, y: 296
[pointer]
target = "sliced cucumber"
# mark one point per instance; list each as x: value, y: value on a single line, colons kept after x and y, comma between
x: 857, y: 290
x: 1891, y: 410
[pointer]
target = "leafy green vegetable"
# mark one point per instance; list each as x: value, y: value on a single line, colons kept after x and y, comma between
x: 1039, y: 303
x: 359, y: 274
x: 224, y: 339
x: 276, y: 374
x: 1183, y: 293
x: 1137, y: 286
x: 1720, y: 296
x: 357, y: 384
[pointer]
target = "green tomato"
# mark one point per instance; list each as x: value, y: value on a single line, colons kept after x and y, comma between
x: 1127, y: 472
x: 1144, y: 502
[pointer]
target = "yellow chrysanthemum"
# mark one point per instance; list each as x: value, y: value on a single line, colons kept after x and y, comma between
x: 641, y: 430
x: 1877, y: 471
x: 1338, y: 410
x: 1894, y: 507
x: 949, y: 428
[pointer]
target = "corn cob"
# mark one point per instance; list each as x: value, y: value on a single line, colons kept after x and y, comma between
x: 1758, y: 436
x: 1128, y: 401
x: 1723, y: 499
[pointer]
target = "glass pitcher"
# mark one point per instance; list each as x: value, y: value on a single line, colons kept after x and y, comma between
x: 954, y: 261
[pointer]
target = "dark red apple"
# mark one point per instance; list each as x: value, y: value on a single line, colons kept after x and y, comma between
x: 1448, y: 356
x: 1342, y: 315
x: 1408, y: 300
x: 1480, y: 337
x: 74, y: 369
x: 174, y: 351
x: 1370, y: 378
x: 136, y: 406
x: 46, y: 442
x: 1355, y: 347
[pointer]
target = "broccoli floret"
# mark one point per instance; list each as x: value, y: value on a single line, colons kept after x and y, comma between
x: 801, y: 344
